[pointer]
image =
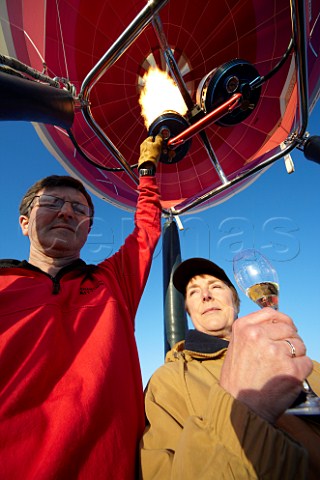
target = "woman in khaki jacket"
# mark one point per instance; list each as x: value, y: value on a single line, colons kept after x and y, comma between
x: 216, y: 409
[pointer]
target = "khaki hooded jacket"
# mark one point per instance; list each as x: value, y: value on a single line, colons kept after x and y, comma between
x: 198, y: 431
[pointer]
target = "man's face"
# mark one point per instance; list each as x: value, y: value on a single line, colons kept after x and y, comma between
x: 57, y: 233
x: 210, y: 304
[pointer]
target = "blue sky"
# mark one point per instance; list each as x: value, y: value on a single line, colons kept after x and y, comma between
x: 278, y: 214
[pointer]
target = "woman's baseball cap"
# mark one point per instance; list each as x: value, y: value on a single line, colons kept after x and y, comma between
x: 197, y: 266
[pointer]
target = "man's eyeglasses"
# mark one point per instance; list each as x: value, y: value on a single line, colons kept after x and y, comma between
x: 56, y: 203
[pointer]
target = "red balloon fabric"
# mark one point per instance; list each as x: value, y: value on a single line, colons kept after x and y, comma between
x: 70, y: 36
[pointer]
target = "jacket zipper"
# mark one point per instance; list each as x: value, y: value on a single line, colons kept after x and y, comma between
x: 56, y: 285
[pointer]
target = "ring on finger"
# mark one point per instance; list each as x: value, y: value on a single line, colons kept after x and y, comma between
x: 292, y: 347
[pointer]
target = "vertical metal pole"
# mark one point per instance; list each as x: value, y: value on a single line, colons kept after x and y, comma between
x: 175, y: 317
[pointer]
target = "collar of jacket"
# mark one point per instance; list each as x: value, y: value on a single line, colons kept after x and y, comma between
x: 203, y: 343
x: 77, y: 264
x: 198, y: 345
x: 12, y: 263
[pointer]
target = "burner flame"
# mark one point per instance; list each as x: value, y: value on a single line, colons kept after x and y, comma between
x: 159, y: 94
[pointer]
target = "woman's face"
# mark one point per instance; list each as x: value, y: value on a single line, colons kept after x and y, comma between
x: 210, y: 304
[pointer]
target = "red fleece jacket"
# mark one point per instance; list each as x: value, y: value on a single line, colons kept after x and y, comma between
x: 71, y: 401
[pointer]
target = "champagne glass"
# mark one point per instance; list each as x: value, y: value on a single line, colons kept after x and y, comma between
x: 258, y: 279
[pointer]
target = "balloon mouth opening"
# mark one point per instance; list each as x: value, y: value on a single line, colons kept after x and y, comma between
x: 170, y: 124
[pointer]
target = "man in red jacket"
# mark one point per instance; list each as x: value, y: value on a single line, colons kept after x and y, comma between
x: 71, y: 402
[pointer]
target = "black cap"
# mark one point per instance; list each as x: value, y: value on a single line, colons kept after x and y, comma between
x: 197, y: 266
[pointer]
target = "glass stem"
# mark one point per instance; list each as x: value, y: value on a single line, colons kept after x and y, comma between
x: 307, y: 388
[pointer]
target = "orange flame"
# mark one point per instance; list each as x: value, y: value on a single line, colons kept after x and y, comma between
x: 159, y: 94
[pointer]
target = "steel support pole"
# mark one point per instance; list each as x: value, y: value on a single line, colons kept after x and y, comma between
x: 175, y: 317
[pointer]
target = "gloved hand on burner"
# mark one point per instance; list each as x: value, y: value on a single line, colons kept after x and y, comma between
x: 150, y: 151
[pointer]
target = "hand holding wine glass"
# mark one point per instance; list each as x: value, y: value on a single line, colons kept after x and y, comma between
x: 258, y: 279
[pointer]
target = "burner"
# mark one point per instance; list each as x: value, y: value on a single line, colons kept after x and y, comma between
x: 170, y: 124
x: 222, y: 82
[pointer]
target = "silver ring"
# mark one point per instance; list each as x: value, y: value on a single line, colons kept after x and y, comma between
x: 293, y: 350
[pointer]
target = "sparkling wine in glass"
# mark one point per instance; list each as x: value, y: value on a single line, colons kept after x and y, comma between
x: 258, y: 279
